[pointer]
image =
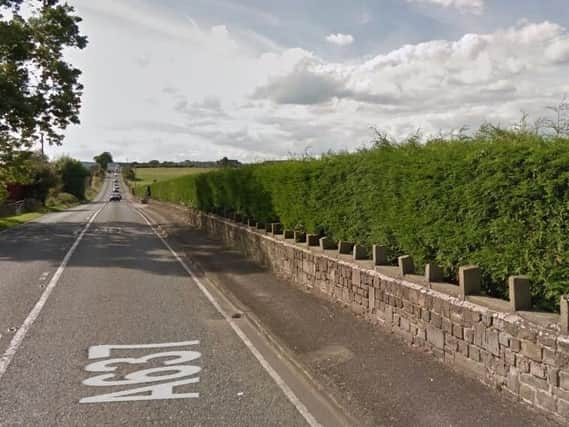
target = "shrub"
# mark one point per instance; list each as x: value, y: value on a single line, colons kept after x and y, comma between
x: 499, y: 200
x: 62, y: 200
x: 73, y: 176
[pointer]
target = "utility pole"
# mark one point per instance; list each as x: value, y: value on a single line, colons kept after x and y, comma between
x: 41, y: 141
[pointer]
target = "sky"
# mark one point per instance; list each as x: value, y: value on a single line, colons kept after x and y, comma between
x: 272, y: 79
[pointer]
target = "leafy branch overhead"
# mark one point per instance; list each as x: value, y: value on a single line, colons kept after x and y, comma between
x: 39, y: 89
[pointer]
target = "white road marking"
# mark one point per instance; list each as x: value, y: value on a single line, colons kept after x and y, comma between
x: 100, y: 351
x: 300, y: 407
x: 172, y: 369
x: 33, y: 315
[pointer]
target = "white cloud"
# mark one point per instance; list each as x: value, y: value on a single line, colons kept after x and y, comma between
x: 465, y: 6
x: 340, y: 39
x: 205, y: 92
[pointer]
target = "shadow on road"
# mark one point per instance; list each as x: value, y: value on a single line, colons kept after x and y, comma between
x: 113, y: 244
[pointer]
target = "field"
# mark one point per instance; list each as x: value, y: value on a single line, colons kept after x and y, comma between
x: 148, y: 176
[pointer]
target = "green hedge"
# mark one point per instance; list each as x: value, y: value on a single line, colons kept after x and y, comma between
x: 499, y: 200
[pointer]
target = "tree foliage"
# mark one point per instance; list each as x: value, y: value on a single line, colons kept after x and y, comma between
x: 39, y: 89
x: 103, y: 160
x: 73, y: 176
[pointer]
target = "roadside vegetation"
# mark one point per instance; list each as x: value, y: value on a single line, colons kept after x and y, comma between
x: 50, y: 187
x: 40, y: 95
x: 139, y: 178
x: 498, y: 199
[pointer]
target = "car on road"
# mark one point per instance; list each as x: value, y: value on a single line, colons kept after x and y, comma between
x: 115, y: 197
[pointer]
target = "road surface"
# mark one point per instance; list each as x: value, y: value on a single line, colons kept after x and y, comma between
x: 101, y: 323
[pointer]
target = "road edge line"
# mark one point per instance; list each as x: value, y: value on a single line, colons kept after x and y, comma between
x: 291, y: 396
x: 18, y: 338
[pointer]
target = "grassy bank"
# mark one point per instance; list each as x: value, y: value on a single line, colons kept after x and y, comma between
x: 94, y: 188
x: 500, y: 200
x: 148, y: 176
x: 12, y: 221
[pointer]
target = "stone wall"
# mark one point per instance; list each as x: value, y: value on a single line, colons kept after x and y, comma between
x: 525, y: 359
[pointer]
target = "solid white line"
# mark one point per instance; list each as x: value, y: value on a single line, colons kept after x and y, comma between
x: 23, y: 330
x: 270, y: 370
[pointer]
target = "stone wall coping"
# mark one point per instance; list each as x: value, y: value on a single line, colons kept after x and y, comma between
x: 512, y: 319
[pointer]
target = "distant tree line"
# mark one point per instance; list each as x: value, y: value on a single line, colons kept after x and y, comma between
x: 224, y: 162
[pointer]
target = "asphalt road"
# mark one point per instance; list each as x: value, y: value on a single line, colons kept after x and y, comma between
x: 102, y: 324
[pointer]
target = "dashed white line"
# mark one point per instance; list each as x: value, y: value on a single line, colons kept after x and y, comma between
x: 33, y: 315
x: 301, y: 408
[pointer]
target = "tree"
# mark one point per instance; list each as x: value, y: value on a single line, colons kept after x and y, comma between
x: 41, y: 177
x: 73, y: 176
x: 559, y: 124
x: 40, y: 91
x: 224, y: 162
x: 103, y: 160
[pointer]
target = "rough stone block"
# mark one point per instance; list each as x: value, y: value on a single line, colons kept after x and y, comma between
x: 371, y: 299
x: 509, y: 357
x: 479, y: 334
x: 546, y: 401
x: 513, y: 381
x: 527, y: 393
x: 469, y: 335
x: 537, y: 370
x: 276, y: 228
x: 504, y: 339
x: 463, y: 348
x: 312, y: 240
x: 406, y: 265
x: 327, y: 243
x: 345, y: 247
x: 404, y: 324
x: 299, y: 236
x: 492, y: 343
x: 469, y: 280
x: 447, y: 325
x: 563, y: 408
x: 534, y: 382
x: 436, y: 320
x: 436, y: 337
x: 457, y: 331
x: 360, y: 252
x: 532, y: 351
x: 433, y: 273
x: 564, y: 380
x: 379, y: 255
x: 553, y: 376
x: 522, y: 363
x: 564, y: 321
x: 520, y: 296
x: 474, y: 353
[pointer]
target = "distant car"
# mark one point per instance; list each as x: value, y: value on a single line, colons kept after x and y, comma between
x: 115, y: 197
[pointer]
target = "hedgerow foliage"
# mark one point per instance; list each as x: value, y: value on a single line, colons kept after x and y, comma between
x: 499, y: 200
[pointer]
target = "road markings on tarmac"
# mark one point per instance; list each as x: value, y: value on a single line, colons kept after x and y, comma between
x: 173, y: 368
x: 33, y: 315
x: 300, y: 407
